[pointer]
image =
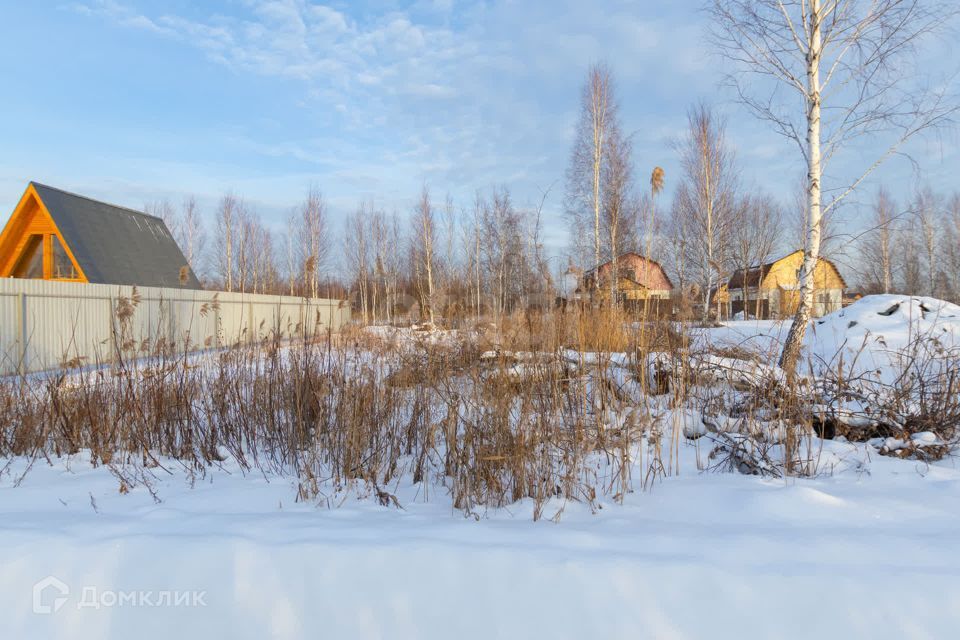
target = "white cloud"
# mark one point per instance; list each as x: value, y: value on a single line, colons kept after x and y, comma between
x: 464, y: 97
x: 121, y: 14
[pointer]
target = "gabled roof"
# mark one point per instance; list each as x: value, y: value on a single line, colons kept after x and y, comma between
x: 116, y: 245
x: 620, y: 257
x: 590, y: 272
x: 754, y: 275
x: 751, y: 276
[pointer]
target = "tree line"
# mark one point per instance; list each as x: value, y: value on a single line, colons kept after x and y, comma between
x: 436, y: 260
x: 912, y: 247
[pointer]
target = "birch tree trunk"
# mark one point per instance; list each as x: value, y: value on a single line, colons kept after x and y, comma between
x: 425, y: 250
x: 811, y: 255
x: 886, y: 257
x: 226, y: 227
x: 928, y: 208
x: 598, y: 111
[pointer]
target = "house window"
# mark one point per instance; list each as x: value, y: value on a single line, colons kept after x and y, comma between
x: 827, y: 301
x: 62, y: 264
x: 30, y: 264
x: 35, y: 256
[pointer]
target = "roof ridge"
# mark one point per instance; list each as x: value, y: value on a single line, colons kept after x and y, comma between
x: 755, y: 267
x: 88, y: 198
x: 625, y: 253
x: 744, y: 274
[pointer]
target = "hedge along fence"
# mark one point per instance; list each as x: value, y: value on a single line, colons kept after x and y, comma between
x: 48, y: 325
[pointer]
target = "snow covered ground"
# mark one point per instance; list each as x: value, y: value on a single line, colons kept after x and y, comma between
x: 870, y: 333
x: 868, y: 549
x: 873, y: 551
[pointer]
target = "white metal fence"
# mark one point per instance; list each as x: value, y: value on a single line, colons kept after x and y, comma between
x: 45, y: 325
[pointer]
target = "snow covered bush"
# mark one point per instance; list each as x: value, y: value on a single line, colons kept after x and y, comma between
x: 889, y: 367
x: 884, y: 370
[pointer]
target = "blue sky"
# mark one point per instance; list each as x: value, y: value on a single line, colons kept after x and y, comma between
x: 134, y: 100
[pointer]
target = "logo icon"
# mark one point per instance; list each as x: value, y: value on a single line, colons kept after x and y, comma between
x: 50, y: 584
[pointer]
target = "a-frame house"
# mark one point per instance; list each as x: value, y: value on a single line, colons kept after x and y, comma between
x: 56, y: 235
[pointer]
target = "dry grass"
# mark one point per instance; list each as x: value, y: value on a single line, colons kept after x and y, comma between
x: 551, y: 414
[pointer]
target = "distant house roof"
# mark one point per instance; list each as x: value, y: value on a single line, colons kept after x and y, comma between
x: 116, y: 245
x: 753, y: 276
x: 750, y: 277
x: 630, y: 255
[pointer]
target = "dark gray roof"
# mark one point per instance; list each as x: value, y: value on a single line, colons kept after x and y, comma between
x: 116, y: 245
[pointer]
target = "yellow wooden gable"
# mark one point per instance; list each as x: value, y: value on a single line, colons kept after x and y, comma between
x: 626, y: 288
x: 31, y: 246
x: 784, y: 274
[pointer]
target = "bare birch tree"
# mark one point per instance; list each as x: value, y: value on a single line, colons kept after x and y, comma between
x: 927, y: 210
x: 292, y: 253
x: 620, y: 210
x: 825, y: 73
x: 314, y: 239
x: 755, y: 236
x: 584, y: 200
x: 706, y: 197
x: 425, y: 240
x: 380, y: 243
x: 393, y: 263
x: 357, y: 248
x: 472, y: 241
x: 952, y: 242
x: 877, y: 250
x: 508, y: 267
x: 243, y: 248
x: 450, y: 258
x: 909, y: 248
x: 190, y: 234
x: 227, y: 231
x: 263, y: 272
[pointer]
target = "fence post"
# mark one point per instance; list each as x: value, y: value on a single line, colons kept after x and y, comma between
x: 171, y: 329
x: 250, y: 326
x: 22, y: 332
x: 216, y: 326
x: 113, y: 329
x: 303, y: 319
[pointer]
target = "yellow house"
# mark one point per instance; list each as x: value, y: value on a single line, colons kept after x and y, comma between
x: 772, y: 290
